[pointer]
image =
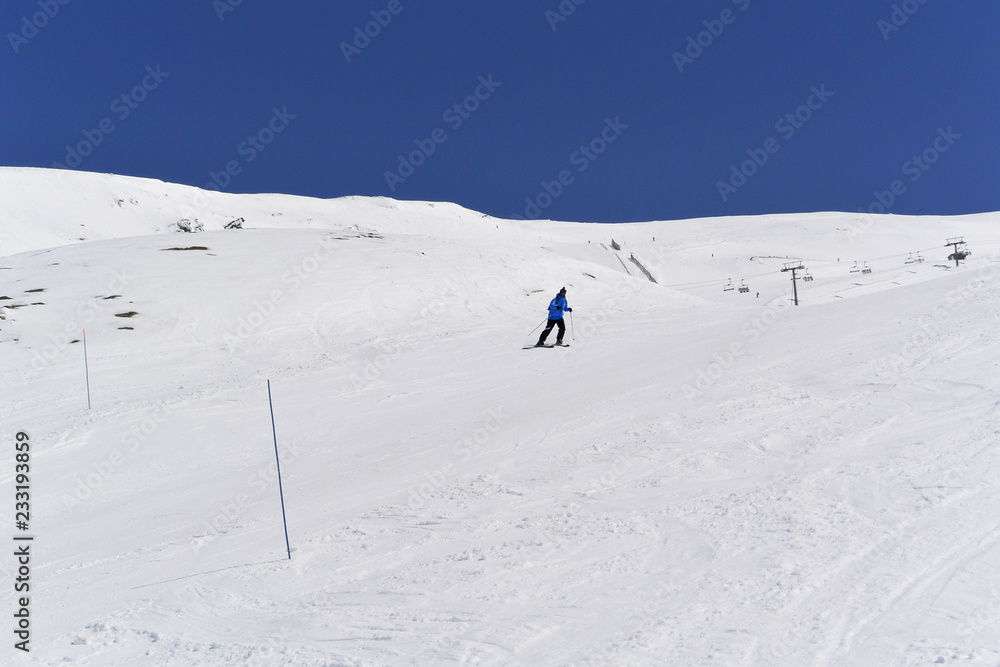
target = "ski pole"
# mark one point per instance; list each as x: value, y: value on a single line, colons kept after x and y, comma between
x: 532, y: 332
x: 571, y: 330
x: 540, y: 324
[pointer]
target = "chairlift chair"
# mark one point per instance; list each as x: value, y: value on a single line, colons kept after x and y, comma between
x: 807, y: 277
x: 743, y: 287
x: 866, y: 269
x: 855, y: 268
x: 729, y: 286
x: 960, y: 253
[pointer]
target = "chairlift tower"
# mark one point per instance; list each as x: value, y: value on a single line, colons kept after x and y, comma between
x: 960, y: 253
x: 793, y: 267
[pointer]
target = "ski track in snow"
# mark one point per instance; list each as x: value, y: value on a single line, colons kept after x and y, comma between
x: 824, y: 495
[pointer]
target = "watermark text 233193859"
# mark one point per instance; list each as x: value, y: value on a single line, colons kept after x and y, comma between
x: 22, y: 543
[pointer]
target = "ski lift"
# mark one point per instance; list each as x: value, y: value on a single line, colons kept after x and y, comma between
x: 960, y: 253
x: 807, y: 277
x: 866, y: 268
x: 910, y: 259
x: 729, y: 286
x: 855, y: 268
x: 919, y: 259
x: 743, y: 287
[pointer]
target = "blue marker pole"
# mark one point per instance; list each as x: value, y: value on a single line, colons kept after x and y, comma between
x: 280, y: 491
x: 86, y: 366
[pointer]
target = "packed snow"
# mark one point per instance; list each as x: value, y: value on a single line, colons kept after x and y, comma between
x: 707, y: 476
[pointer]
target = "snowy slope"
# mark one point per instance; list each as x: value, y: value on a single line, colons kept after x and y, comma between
x: 705, y: 477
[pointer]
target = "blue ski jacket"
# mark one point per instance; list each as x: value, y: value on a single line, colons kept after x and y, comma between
x: 557, y: 306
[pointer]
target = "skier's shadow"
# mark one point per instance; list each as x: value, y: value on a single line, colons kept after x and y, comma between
x: 198, y: 574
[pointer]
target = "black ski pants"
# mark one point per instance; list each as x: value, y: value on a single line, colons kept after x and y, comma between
x: 548, y: 329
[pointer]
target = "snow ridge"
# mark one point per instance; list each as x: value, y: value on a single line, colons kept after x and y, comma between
x: 710, y: 475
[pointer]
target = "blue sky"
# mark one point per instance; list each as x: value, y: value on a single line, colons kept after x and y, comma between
x: 595, y: 111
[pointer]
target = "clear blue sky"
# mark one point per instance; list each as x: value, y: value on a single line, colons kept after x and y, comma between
x: 201, y: 77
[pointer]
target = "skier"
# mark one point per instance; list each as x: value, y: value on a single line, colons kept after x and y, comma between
x: 557, y: 307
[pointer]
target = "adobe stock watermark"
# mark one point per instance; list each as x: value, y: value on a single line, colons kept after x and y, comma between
x: 454, y: 117
x: 899, y: 17
x: 823, y: 435
x: 913, y: 169
x: 982, y: 618
x: 562, y: 12
x: 650, y: 604
x: 552, y: 537
x: 85, y: 313
x: 250, y: 148
x: 31, y: 25
x: 265, y: 307
x: 223, y: 7
x: 582, y: 158
x: 786, y: 126
x: 751, y: 331
x: 919, y: 347
x: 698, y: 44
x: 586, y: 331
x: 91, y: 480
x: 778, y: 649
x: 446, y: 293
x: 263, y: 479
x: 363, y: 35
x: 371, y: 369
x: 624, y: 288
x: 464, y: 451
x: 122, y: 107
